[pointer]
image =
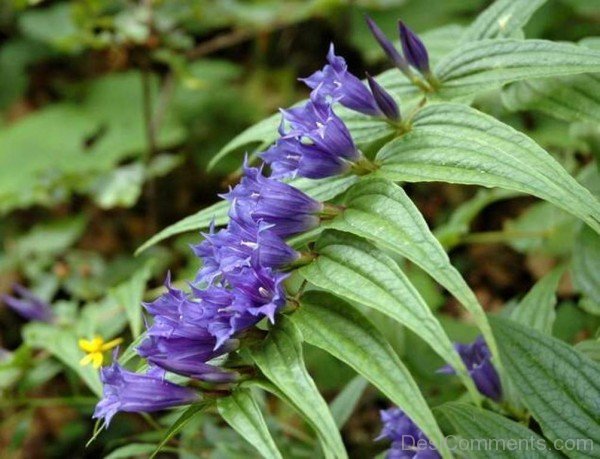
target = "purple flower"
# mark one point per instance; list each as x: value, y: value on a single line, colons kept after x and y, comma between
x: 335, y: 83
x: 315, y: 143
x: 477, y: 358
x: 188, y: 357
x: 133, y: 392
x: 260, y: 199
x: 258, y: 291
x: 28, y: 306
x: 388, y: 47
x: 413, y: 48
x: 408, y: 441
x: 235, y: 246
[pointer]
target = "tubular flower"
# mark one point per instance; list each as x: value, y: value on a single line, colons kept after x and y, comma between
x: 477, y: 358
x: 95, y: 349
x: 413, y: 48
x: 315, y: 143
x: 28, y: 306
x: 258, y: 198
x: 408, y: 441
x: 336, y: 84
x: 133, y: 392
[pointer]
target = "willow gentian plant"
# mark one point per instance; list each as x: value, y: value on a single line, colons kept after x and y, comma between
x: 307, y: 245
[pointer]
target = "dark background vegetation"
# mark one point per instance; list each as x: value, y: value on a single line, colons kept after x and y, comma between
x: 109, y: 114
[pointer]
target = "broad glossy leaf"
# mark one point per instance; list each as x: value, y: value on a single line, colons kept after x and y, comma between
x: 379, y: 210
x: 281, y: 360
x: 495, y: 434
x: 356, y: 270
x: 536, y: 309
x: 501, y: 19
x: 480, y: 66
x: 560, y: 386
x: 586, y: 264
x: 322, y: 190
x: 338, y: 328
x: 242, y: 412
x: 458, y: 144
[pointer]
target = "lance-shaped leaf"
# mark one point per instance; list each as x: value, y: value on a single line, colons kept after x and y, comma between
x: 242, y: 412
x: 345, y: 402
x: 494, y: 436
x: 586, y: 264
x: 560, y: 386
x: 321, y: 190
x: 479, y: 66
x: 536, y: 309
x: 281, y: 360
x: 503, y: 18
x: 338, y: 328
x: 572, y: 98
x: 379, y: 210
x: 356, y: 270
x: 458, y: 144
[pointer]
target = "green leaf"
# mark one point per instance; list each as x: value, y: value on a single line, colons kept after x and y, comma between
x: 120, y: 187
x: 345, y: 402
x: 586, y: 264
x: 560, y: 386
x: 280, y: 359
x: 358, y: 271
x: 181, y: 421
x: 572, y: 98
x: 536, y: 309
x: 135, y: 450
x: 129, y: 295
x: 590, y: 347
x: 501, y: 19
x: 480, y: 66
x: 62, y: 344
x: 322, y: 190
x: 458, y: 144
x: 338, y: 328
x: 494, y: 436
x: 380, y: 211
x: 242, y: 412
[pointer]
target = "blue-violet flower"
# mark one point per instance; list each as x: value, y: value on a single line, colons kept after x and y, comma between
x: 28, y: 306
x: 133, y: 392
x: 408, y: 441
x: 477, y: 358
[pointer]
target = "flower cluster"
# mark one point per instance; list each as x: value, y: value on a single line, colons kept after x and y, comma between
x: 239, y: 284
x: 477, y: 358
x: 408, y: 441
x: 241, y: 280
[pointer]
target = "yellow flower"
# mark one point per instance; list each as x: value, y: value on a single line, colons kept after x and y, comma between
x: 95, y: 349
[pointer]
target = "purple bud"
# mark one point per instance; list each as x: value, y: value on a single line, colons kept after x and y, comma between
x: 28, y: 306
x: 133, y: 392
x: 336, y: 84
x: 408, y: 441
x: 385, y: 101
x: 413, y: 48
x: 387, y: 46
x: 477, y: 358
